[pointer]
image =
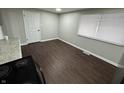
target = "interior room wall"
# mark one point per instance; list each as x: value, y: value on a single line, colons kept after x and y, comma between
x: 0, y: 19
x: 1, y: 23
x: 49, y: 25
x: 13, y: 24
x: 69, y: 28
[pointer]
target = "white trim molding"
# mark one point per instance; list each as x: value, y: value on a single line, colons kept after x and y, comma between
x: 88, y: 52
x: 49, y: 39
x: 22, y: 44
x: 25, y: 43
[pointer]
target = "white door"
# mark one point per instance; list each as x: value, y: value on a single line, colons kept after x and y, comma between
x: 32, y: 26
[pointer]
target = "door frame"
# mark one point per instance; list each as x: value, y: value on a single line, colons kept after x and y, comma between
x: 25, y: 28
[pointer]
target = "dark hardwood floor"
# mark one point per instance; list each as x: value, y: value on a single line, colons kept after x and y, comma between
x: 62, y: 63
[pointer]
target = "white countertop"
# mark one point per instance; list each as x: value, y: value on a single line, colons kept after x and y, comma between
x: 9, y: 50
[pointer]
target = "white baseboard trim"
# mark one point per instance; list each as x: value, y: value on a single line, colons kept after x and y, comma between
x: 24, y: 44
x: 49, y: 39
x: 100, y: 57
x: 40, y: 41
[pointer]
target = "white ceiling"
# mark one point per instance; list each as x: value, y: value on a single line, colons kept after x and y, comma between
x: 64, y: 10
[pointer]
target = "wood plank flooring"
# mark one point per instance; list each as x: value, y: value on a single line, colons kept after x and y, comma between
x: 64, y: 64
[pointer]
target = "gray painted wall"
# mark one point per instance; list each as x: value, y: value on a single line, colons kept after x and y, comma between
x: 69, y: 28
x: 0, y: 19
x: 13, y: 24
x: 49, y: 26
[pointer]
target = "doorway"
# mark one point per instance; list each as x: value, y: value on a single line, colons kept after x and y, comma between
x: 32, y: 26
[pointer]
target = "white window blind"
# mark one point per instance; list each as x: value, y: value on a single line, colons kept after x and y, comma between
x: 109, y: 28
x: 88, y: 25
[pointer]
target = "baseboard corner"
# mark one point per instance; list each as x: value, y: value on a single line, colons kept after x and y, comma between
x: 23, y: 44
x: 49, y: 39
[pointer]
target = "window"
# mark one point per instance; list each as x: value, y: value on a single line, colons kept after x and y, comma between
x: 88, y: 25
x: 107, y: 27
